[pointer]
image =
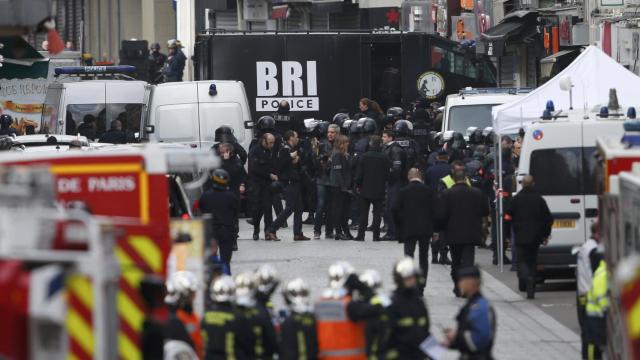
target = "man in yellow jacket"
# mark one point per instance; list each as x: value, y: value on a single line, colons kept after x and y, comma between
x: 596, y: 311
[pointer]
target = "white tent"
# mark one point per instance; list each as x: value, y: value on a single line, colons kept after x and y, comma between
x: 592, y: 73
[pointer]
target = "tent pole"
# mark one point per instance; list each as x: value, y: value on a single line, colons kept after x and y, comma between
x: 499, y: 210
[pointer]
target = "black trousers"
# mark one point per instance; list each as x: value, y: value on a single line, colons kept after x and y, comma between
x: 439, y: 248
x: 293, y: 201
x: 340, y: 202
x: 262, y: 200
x: 462, y: 256
x: 364, y: 216
x: 527, y: 259
x: 581, y: 302
x: 423, y: 252
x: 225, y: 237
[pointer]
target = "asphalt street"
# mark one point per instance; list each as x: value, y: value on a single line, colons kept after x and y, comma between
x: 543, y: 328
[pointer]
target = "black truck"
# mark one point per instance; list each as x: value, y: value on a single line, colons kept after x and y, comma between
x: 322, y: 73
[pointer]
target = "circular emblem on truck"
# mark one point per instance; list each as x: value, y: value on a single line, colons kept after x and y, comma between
x: 538, y: 135
x: 430, y: 84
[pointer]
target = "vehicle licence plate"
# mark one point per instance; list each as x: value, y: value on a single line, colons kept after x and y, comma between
x: 564, y: 224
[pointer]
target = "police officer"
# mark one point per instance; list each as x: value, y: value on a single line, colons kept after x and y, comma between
x: 223, y: 205
x: 366, y: 128
x: 5, y: 125
x: 393, y: 114
x: 408, y: 315
x: 323, y: 153
x: 476, y: 320
x: 265, y: 345
x: 397, y: 179
x: 228, y: 334
x: 174, y: 67
x: 289, y: 173
x: 299, y: 339
x: 338, y: 335
x: 183, y: 324
x: 156, y: 63
x: 261, y: 174
x: 339, y: 119
x: 421, y: 133
x: 224, y: 134
x: 284, y: 120
x: 403, y: 130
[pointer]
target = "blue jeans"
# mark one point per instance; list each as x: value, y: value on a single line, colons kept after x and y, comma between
x: 322, y: 206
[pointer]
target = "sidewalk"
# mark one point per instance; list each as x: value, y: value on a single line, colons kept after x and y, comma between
x: 524, y: 331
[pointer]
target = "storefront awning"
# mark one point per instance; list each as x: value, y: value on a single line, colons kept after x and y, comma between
x: 563, y: 57
x: 512, y: 25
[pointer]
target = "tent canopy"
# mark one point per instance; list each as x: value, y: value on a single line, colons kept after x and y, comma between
x: 592, y: 73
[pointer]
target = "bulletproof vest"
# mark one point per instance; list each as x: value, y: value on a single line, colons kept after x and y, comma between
x: 361, y: 146
x: 421, y: 131
x: 283, y: 123
x: 408, y: 146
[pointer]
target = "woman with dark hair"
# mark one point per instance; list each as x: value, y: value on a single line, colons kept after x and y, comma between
x: 340, y: 183
x: 370, y: 108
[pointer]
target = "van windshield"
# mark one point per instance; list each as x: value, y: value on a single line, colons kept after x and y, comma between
x: 93, y: 120
x: 462, y: 117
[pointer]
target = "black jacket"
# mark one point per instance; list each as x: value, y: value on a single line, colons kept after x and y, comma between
x: 435, y: 173
x: 408, y: 324
x: 462, y: 210
x: 322, y: 161
x: 222, y: 205
x: 237, y: 173
x: 372, y: 174
x: 227, y: 331
x: 261, y: 164
x: 286, y: 170
x: 398, y: 158
x: 299, y: 338
x: 175, y: 330
x: 413, y: 211
x: 531, y: 219
x: 340, y: 171
x: 266, y: 344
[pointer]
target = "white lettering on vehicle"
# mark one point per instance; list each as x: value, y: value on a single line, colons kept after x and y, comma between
x: 111, y: 184
x: 293, y: 86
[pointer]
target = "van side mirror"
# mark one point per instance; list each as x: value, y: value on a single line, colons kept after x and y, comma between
x: 149, y: 129
x: 248, y: 124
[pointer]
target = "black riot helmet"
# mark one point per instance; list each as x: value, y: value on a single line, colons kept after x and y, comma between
x: 224, y: 134
x: 403, y: 128
x: 476, y: 137
x: 220, y: 179
x: 353, y: 128
x: 395, y: 112
x: 457, y: 141
x: 339, y: 119
x: 5, y: 121
x: 367, y: 126
x: 320, y: 130
x: 266, y: 124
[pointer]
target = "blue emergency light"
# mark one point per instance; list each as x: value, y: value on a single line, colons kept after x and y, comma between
x: 631, y: 112
x: 95, y: 70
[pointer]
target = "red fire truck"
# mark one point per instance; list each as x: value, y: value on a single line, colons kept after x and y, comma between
x: 129, y: 183
x: 618, y: 202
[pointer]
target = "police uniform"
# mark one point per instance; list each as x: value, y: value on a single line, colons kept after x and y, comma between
x: 223, y: 205
x: 260, y: 167
x: 397, y: 179
x: 476, y: 329
x: 228, y: 334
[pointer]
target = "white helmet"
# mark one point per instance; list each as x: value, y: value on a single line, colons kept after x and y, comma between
x: 297, y: 296
x: 371, y: 278
x: 245, y: 289
x: 266, y: 279
x: 172, y: 43
x: 338, y: 274
x: 223, y: 289
x: 180, y: 286
x: 404, y: 268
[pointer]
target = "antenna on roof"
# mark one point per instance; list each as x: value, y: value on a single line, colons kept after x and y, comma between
x: 567, y: 85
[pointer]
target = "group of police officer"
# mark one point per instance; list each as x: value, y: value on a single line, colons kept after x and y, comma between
x: 353, y: 318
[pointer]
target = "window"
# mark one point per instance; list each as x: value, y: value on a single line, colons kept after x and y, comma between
x: 93, y: 120
x: 463, y: 116
x: 49, y: 120
x: 564, y: 171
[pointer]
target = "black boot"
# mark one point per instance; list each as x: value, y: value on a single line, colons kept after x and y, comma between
x: 531, y: 288
x: 347, y: 234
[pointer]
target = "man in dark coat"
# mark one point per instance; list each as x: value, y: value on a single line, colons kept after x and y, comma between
x: 371, y: 178
x: 413, y: 213
x: 531, y: 221
x: 261, y: 174
x: 462, y: 211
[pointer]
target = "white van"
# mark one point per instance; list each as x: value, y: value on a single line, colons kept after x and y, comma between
x: 190, y: 112
x: 560, y: 154
x: 472, y: 107
x: 68, y: 105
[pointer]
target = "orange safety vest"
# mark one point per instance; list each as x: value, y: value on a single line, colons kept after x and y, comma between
x: 192, y: 324
x: 338, y: 337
